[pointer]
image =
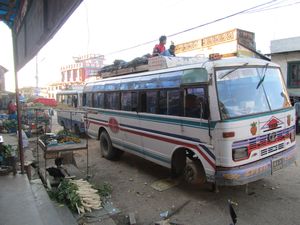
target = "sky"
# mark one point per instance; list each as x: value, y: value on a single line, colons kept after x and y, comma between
x: 108, y: 26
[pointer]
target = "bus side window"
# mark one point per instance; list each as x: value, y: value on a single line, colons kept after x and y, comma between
x: 134, y: 103
x: 175, y: 102
x: 89, y: 99
x: 151, y: 101
x: 196, y: 103
x: 143, y: 102
x: 162, y: 102
x: 84, y: 99
x: 98, y: 100
x: 126, y: 101
x: 112, y: 100
x: 148, y: 102
x: 129, y: 101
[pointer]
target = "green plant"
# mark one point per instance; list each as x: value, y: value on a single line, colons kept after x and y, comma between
x: 9, y: 124
x: 66, y: 194
x: 104, y: 190
x: 7, y: 151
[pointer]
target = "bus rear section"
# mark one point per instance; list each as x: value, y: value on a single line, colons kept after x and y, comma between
x: 69, y: 113
x: 255, y: 136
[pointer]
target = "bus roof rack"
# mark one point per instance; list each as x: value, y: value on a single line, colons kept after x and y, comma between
x: 154, y: 63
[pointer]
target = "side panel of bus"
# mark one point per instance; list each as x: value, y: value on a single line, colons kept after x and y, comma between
x: 131, y: 140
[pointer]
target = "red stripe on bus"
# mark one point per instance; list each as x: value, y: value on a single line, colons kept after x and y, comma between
x: 166, y: 140
x: 173, y: 142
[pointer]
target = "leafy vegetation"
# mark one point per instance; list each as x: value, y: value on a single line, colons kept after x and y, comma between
x: 7, y: 151
x: 66, y: 193
x: 10, y: 124
x: 104, y: 190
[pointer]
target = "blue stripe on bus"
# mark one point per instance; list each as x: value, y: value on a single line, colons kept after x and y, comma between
x: 182, y: 121
x: 206, y: 149
x: 142, y: 151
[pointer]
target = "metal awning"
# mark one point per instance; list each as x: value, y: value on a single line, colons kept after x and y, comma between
x: 33, y: 23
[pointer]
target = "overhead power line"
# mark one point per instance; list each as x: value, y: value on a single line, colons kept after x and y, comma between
x: 274, y: 7
x: 201, y: 25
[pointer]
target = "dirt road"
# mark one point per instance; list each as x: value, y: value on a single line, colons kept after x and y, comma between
x: 271, y: 201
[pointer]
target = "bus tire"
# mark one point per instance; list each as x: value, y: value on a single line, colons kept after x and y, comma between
x: 107, y: 150
x: 178, y: 163
x: 194, y: 173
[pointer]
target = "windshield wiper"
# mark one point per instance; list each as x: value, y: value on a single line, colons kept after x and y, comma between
x: 234, y: 69
x: 263, y: 77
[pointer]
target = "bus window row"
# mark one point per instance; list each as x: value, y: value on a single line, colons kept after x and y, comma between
x: 187, y: 102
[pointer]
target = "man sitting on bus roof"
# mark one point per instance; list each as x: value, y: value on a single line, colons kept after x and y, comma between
x: 160, y: 48
x: 170, y: 51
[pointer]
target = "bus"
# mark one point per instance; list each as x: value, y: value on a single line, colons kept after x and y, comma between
x: 69, y: 113
x: 224, y: 121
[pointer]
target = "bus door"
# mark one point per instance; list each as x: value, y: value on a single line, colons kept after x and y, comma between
x: 161, y: 121
x: 130, y: 123
x: 196, y: 123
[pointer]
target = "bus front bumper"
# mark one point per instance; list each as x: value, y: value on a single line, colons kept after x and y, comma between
x: 257, y: 170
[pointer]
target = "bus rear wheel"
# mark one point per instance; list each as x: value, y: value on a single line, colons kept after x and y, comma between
x: 194, y: 173
x: 107, y: 150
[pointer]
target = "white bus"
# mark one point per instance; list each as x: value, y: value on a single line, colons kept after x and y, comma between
x: 227, y: 121
x: 69, y: 113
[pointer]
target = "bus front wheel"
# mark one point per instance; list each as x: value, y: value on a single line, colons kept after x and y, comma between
x: 194, y: 173
x: 107, y: 150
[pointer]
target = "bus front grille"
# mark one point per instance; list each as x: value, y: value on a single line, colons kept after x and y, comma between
x: 272, y: 149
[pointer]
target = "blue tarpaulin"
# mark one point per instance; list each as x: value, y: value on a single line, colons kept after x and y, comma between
x: 9, y: 9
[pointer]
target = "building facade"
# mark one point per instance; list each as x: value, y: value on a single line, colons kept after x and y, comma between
x: 286, y: 53
x: 53, y: 88
x: 84, y: 67
x: 75, y: 74
x: 232, y: 43
x: 2, y: 78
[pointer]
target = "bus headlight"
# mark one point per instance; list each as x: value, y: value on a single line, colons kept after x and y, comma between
x: 240, y: 153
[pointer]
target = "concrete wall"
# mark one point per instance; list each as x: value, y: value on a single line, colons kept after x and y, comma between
x: 283, y: 58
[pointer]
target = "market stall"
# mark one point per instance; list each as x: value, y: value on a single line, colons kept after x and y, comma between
x: 54, y: 145
x: 36, y: 120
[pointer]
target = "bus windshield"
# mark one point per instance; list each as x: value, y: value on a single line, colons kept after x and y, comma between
x: 249, y: 90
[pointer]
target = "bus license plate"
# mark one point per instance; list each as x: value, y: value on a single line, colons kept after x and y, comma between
x: 277, y: 164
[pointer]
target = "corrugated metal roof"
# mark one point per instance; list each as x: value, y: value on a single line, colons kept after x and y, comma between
x: 9, y: 9
x: 285, y: 45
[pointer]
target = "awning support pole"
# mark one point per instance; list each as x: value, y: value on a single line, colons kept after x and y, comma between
x: 20, y: 140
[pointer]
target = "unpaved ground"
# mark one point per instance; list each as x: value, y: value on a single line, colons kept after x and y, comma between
x: 271, y: 201
x: 274, y: 200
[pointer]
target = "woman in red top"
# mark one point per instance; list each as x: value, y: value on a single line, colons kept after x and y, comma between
x: 160, y: 48
x: 11, y: 108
